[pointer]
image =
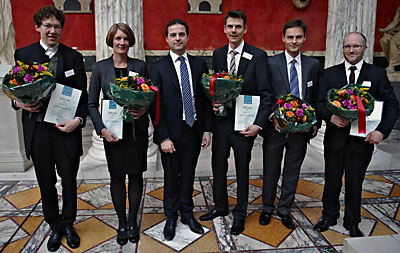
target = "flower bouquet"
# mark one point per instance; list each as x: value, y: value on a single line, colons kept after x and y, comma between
x: 133, y: 92
x: 222, y: 87
x: 351, y: 102
x: 28, y: 83
x: 294, y: 115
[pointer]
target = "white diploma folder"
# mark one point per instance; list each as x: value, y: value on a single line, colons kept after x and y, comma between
x: 111, y: 114
x: 62, y: 105
x: 372, y: 121
x: 246, y: 111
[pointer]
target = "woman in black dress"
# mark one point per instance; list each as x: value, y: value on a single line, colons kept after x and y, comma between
x: 126, y: 156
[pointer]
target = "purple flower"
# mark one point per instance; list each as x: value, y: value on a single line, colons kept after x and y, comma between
x: 29, y: 78
x: 16, y: 70
x: 351, y: 107
x: 140, y: 80
x: 299, y: 112
x: 347, y: 103
x: 40, y: 68
x: 287, y: 105
x: 351, y: 92
x: 304, y: 106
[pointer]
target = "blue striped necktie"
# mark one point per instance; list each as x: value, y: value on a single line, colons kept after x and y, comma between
x: 186, y: 93
x: 294, y: 81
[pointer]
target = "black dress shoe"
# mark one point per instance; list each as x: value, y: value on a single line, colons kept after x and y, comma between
x: 73, y: 239
x: 54, y: 241
x: 134, y: 234
x: 287, y: 221
x: 169, y: 229
x: 265, y: 218
x: 212, y: 215
x: 122, y: 236
x: 238, y: 226
x: 354, y: 231
x: 193, y: 225
x: 324, y: 225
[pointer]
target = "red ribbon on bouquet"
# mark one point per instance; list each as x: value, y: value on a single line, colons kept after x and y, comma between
x: 157, y: 118
x: 361, y: 116
x: 212, y: 83
x: 280, y: 101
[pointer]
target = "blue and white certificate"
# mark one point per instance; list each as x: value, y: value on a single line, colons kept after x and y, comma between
x: 246, y: 111
x: 111, y: 114
x: 372, y: 121
x: 62, y: 105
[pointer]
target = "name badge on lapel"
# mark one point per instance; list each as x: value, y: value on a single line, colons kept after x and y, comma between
x: 69, y: 73
x: 247, y: 56
x: 309, y: 84
x: 132, y: 73
x: 366, y: 84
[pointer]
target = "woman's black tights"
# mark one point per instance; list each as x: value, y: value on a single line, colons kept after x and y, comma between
x: 118, y: 195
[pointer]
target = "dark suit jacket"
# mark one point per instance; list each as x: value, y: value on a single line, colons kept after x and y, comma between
x: 381, y: 89
x: 280, y: 82
x: 255, y: 75
x: 104, y: 73
x: 68, y: 59
x: 163, y: 75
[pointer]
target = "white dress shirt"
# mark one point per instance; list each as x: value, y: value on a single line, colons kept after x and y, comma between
x: 177, y: 65
x: 239, y: 51
x: 49, y: 51
x: 347, y: 66
x: 297, y: 65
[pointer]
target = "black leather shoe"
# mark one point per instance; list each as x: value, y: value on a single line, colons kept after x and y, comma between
x: 265, y: 218
x: 238, y: 226
x: 134, y: 234
x: 169, y: 229
x: 122, y: 236
x: 212, y: 215
x: 54, y: 242
x: 324, y: 225
x: 193, y: 225
x: 73, y: 239
x: 354, y: 231
x: 287, y: 221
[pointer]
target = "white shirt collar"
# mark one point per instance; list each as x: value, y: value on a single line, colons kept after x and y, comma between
x: 289, y: 58
x: 239, y: 49
x: 359, y: 64
x: 175, y: 56
x: 50, y: 51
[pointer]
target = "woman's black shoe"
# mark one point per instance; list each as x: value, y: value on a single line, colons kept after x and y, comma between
x: 134, y: 234
x: 122, y: 236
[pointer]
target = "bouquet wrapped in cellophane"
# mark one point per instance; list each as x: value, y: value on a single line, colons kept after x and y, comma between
x: 27, y: 83
x: 222, y: 87
x: 294, y: 115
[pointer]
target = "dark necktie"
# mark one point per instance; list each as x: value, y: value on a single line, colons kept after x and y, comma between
x: 352, y: 77
x: 294, y: 81
x: 232, y: 65
x: 186, y: 93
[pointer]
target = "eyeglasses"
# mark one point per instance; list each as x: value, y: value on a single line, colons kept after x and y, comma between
x: 355, y: 47
x: 49, y: 26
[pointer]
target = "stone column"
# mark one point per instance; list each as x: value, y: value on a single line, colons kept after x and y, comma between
x: 107, y: 13
x: 346, y: 16
x: 12, y: 149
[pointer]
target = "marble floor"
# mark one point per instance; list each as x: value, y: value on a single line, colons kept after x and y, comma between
x: 24, y: 230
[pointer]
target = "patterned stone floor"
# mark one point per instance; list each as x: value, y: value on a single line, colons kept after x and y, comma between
x: 24, y: 230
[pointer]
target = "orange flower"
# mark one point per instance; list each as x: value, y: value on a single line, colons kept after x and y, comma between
x: 341, y: 92
x: 337, y: 104
x: 14, y: 81
x: 145, y: 87
x: 227, y: 77
x: 289, y: 114
x: 294, y: 103
x: 352, y: 98
x: 304, y: 118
